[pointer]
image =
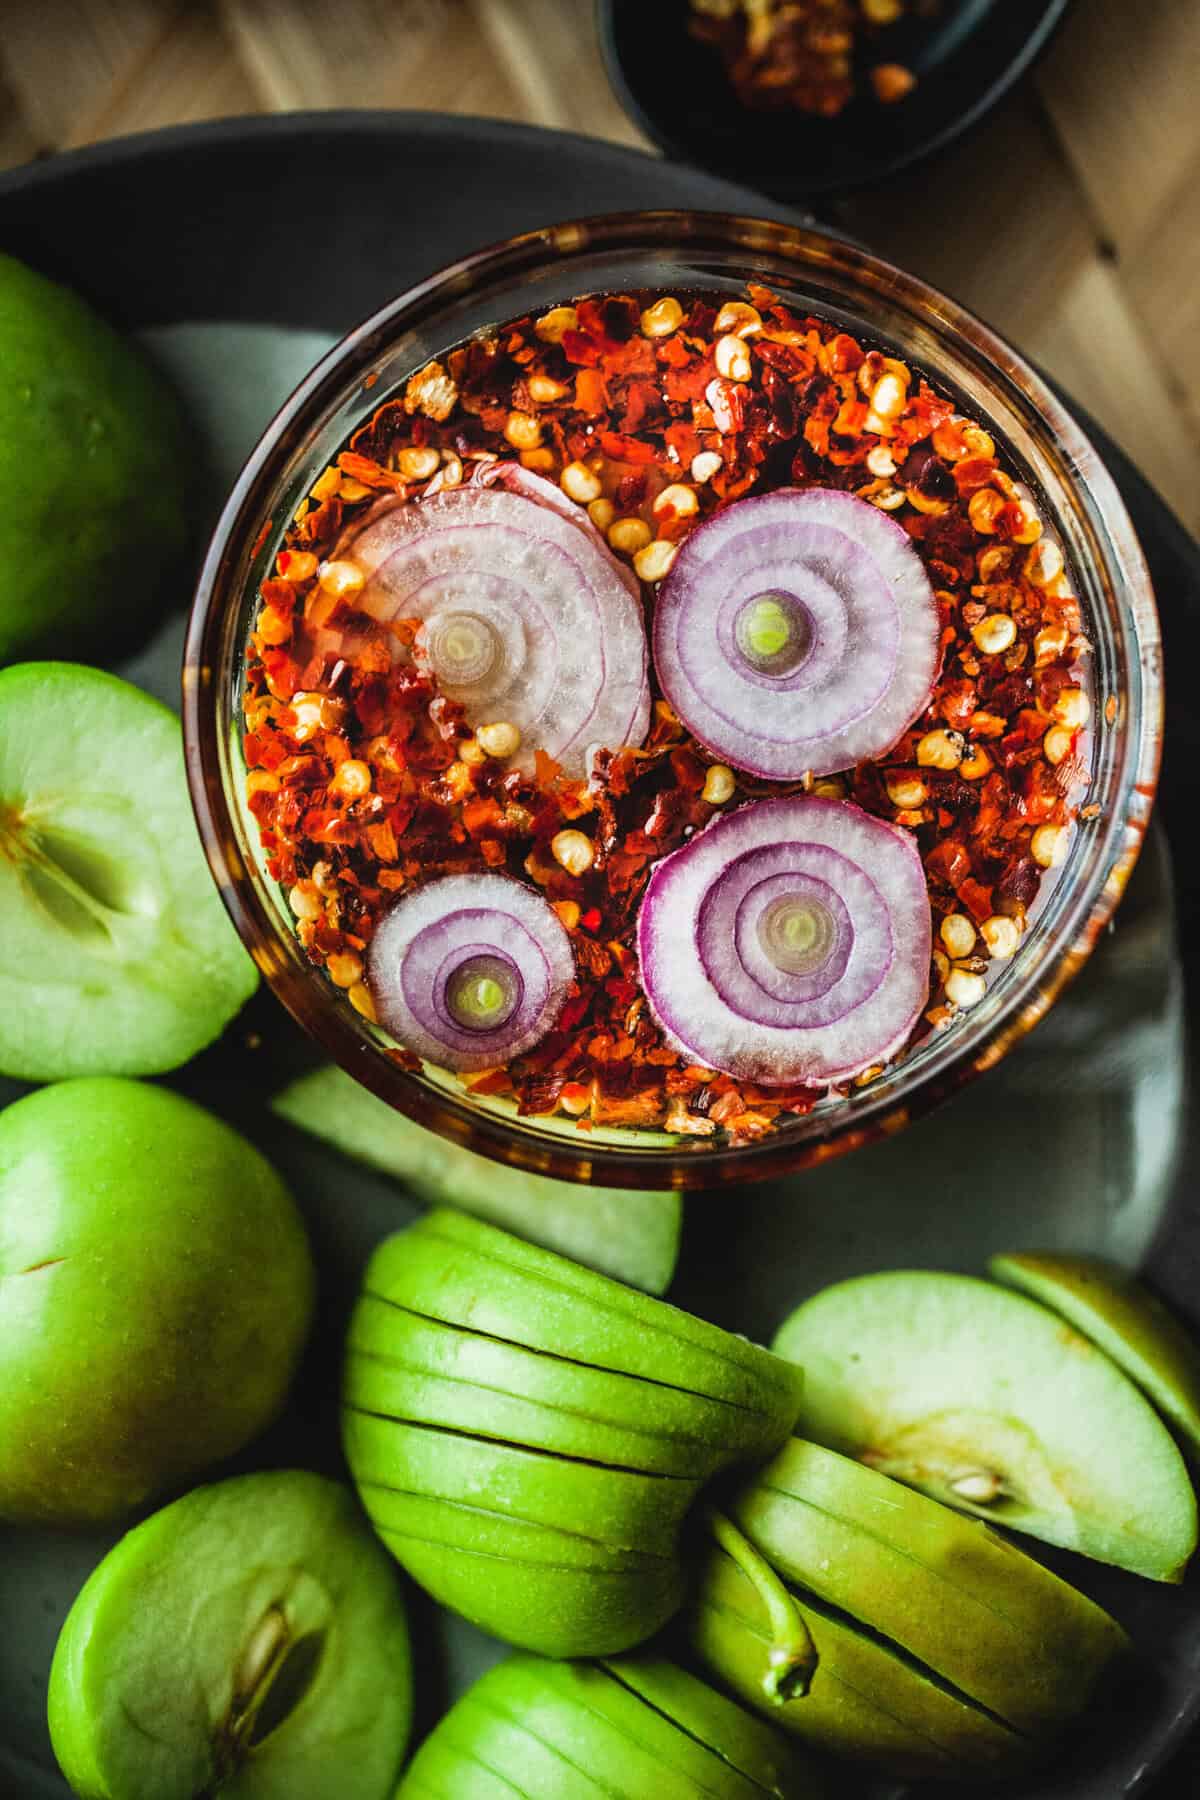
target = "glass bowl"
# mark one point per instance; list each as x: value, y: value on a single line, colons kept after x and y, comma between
x: 672, y: 252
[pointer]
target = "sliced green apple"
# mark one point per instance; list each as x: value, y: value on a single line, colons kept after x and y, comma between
x: 633, y: 1237
x: 568, y: 1420
x: 116, y: 954
x: 1109, y: 1305
x: 950, y: 1592
x: 249, y: 1639
x: 464, y: 1272
x: 986, y: 1401
x: 615, y: 1731
x: 402, y: 1365
x: 868, y: 1700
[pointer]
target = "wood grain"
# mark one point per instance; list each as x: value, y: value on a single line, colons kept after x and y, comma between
x: 1070, y: 220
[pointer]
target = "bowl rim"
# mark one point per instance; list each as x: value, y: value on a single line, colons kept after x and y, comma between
x: 326, y: 1017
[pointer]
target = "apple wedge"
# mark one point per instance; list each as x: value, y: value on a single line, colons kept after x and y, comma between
x: 249, y: 1639
x: 631, y: 1236
x: 1109, y: 1305
x: 987, y: 1401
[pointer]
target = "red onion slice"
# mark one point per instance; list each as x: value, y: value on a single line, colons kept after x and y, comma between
x: 470, y: 970
x: 789, y: 942
x: 797, y: 633
x: 526, y: 615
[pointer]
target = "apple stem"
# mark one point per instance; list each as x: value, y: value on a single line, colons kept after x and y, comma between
x: 792, y: 1659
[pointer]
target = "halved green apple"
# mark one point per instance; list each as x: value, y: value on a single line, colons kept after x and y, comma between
x: 983, y: 1399
x: 249, y: 1639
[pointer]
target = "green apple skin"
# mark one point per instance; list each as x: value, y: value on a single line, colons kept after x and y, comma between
x: 969, y: 1606
x: 1124, y: 1319
x: 867, y: 1702
x: 156, y: 1288
x: 624, y: 1729
x: 93, y: 441
x: 985, y: 1400
x: 149, y: 1695
x: 634, y: 1237
x: 528, y: 1436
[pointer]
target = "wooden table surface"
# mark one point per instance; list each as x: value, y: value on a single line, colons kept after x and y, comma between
x: 1070, y: 220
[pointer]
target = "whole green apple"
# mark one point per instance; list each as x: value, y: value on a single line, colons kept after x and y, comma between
x: 156, y: 1288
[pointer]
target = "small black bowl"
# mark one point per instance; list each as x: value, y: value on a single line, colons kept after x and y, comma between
x: 678, y: 92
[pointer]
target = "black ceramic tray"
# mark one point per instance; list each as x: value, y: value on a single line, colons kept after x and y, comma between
x: 1084, y: 1137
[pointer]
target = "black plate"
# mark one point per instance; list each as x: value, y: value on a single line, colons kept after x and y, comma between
x: 677, y: 91
x: 190, y: 237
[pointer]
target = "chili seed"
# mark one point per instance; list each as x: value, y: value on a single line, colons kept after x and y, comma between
x: 888, y: 396
x: 958, y: 935
x: 544, y: 390
x: 718, y: 785
x: 471, y: 752
x: 552, y: 326
x: 344, y: 969
x: 342, y: 578
x: 738, y: 318
x: 881, y: 462
x: 995, y: 633
x: 629, y: 535
x: 975, y: 764
x: 573, y: 850
x: 1048, y: 846
x: 965, y: 989
x: 602, y: 512
x: 568, y: 912
x: 984, y: 509
x: 351, y: 779
x: 326, y: 485
x: 540, y: 461
x: 1073, y: 707
x: 907, y: 792
x: 499, y: 740
x: 297, y: 565
x: 305, y: 901
x: 654, y: 560
x: 941, y: 963
x: 523, y: 431
x: 417, y: 464
x: 452, y: 469
x: 888, y: 499
x: 1001, y: 936
x: 661, y: 319
x: 580, y: 483
x: 1050, y: 643
x: 732, y: 359
x: 360, y: 999
x: 1044, y: 563
x: 1056, y: 745
x: 940, y: 750
x: 705, y: 465
x: 678, y: 499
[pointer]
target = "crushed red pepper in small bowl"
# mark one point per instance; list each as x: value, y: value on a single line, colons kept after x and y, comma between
x: 801, y: 53
x: 612, y: 431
